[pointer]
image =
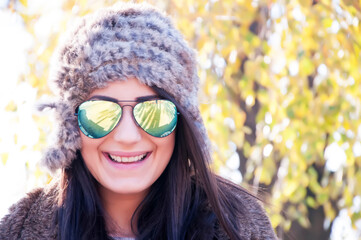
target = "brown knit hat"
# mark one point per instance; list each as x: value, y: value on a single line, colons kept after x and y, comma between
x: 117, y: 43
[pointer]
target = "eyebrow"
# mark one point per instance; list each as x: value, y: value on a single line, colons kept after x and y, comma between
x: 138, y: 99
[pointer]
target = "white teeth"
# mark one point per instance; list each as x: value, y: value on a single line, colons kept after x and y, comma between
x: 127, y: 159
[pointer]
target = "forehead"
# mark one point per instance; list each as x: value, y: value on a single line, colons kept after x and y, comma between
x: 128, y: 89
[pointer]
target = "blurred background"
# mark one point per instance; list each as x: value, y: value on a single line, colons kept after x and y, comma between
x: 280, y: 97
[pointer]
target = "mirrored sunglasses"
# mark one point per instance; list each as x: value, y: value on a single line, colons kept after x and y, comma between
x: 97, y: 118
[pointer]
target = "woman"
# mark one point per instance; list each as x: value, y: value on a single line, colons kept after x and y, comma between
x: 131, y: 145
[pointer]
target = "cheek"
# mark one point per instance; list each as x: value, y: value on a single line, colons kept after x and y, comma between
x: 88, y: 150
x: 86, y: 143
x: 167, y: 146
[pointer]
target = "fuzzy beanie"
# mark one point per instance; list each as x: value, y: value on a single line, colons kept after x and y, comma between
x: 113, y: 44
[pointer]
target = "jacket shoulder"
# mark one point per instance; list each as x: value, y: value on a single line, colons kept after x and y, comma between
x: 11, y: 224
x: 257, y: 216
x: 247, y: 212
x: 32, y: 217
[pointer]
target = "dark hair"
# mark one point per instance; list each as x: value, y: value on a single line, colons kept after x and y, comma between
x: 187, y: 201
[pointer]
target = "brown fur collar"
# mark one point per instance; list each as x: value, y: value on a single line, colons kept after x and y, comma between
x: 32, y: 217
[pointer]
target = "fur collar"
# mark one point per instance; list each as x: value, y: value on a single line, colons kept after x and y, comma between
x: 32, y: 217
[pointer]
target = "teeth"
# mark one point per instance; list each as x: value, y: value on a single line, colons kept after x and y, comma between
x: 127, y: 159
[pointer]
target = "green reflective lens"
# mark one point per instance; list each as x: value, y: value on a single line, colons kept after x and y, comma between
x: 98, y: 118
x: 156, y: 117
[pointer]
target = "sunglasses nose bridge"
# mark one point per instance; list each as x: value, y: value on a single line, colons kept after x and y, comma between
x: 131, y: 112
x: 127, y: 130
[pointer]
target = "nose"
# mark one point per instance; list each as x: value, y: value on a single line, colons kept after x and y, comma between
x: 127, y: 132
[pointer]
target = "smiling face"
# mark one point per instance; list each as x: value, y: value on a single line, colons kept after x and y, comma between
x: 127, y: 161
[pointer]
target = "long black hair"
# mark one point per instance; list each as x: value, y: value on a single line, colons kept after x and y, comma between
x: 187, y: 201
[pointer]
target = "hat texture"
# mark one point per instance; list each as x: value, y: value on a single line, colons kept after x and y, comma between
x: 114, y: 44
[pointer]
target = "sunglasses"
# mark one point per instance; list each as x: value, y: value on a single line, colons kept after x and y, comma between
x: 97, y: 118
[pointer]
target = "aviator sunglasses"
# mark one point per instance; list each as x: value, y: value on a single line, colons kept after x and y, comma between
x: 98, y: 117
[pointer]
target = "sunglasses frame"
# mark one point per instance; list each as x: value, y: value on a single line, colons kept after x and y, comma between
x: 109, y: 99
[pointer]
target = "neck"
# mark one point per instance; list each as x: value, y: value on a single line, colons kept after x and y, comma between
x: 120, y: 209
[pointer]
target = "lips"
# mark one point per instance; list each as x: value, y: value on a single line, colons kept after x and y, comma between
x: 126, y: 158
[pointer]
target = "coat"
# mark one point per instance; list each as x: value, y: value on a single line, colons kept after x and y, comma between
x: 32, y: 218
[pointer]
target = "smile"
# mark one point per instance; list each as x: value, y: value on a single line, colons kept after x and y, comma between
x: 122, y: 159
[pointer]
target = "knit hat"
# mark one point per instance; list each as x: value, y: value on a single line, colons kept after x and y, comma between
x: 121, y: 42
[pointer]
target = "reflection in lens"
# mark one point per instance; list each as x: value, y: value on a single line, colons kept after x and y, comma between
x: 156, y: 117
x: 98, y: 118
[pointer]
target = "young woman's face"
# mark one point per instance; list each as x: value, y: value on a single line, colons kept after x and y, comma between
x: 127, y: 142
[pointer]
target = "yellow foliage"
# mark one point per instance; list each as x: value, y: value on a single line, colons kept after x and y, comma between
x: 4, y: 158
x: 276, y: 219
x: 307, y: 67
x: 358, y: 183
x: 329, y: 211
x: 11, y: 107
x: 24, y: 2
x: 311, y: 202
x: 290, y: 188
